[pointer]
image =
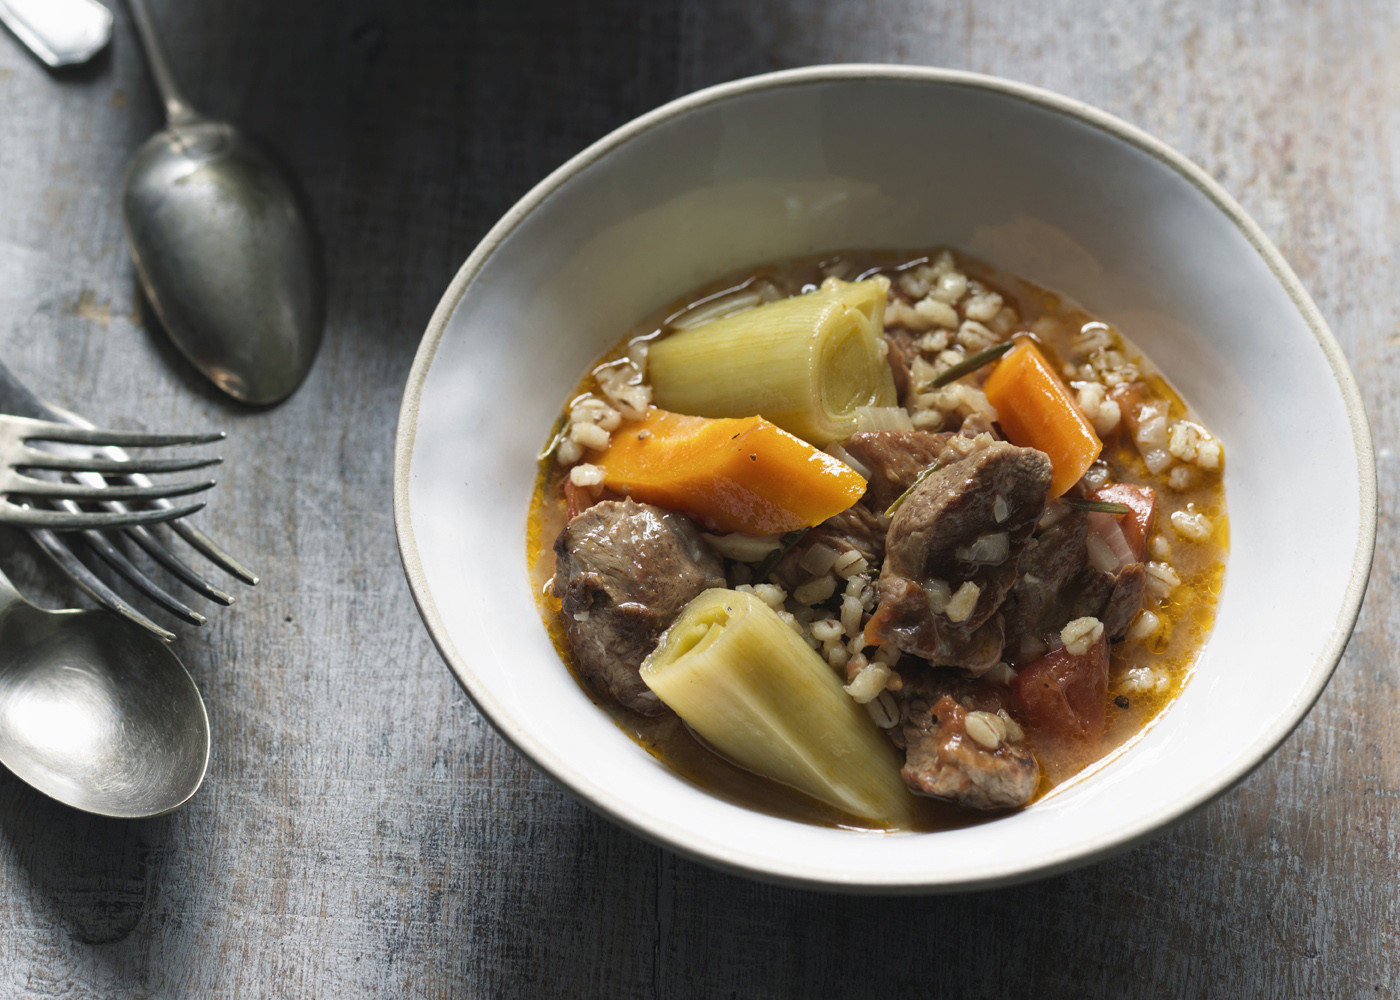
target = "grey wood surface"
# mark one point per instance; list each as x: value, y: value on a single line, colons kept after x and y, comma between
x: 363, y: 832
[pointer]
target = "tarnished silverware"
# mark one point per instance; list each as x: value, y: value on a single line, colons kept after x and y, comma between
x: 20, y: 488
x: 116, y: 548
x: 96, y: 712
x: 60, y: 32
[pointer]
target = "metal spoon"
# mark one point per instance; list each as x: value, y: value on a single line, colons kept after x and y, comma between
x: 223, y: 246
x: 97, y: 712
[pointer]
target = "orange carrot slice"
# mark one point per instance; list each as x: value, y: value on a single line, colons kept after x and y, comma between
x: 741, y: 474
x: 1035, y: 410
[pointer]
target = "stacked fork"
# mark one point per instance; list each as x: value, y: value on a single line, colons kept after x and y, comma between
x: 104, y: 498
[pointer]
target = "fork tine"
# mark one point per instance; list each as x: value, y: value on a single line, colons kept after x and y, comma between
x: 115, y: 558
x: 61, y: 520
x: 93, y: 471
x: 88, y: 582
x: 33, y: 458
x: 215, y: 553
x: 196, y: 539
x: 50, y: 490
x: 45, y: 430
x: 187, y: 575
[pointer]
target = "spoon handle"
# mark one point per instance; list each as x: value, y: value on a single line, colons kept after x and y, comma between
x: 177, y: 109
x: 60, y: 32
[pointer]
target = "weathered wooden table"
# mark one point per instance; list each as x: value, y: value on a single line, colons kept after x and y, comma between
x: 363, y: 831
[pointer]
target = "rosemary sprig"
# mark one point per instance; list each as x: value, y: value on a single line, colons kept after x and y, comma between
x: 771, y: 560
x: 1101, y: 506
x: 969, y: 365
x: 899, y: 500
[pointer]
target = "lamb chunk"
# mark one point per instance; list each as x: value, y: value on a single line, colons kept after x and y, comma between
x: 975, y: 425
x: 623, y: 573
x: 1129, y: 587
x: 901, y: 355
x: 905, y: 616
x: 1050, y: 561
x: 1057, y: 583
x: 965, y: 524
x: 943, y: 761
x: 895, y: 459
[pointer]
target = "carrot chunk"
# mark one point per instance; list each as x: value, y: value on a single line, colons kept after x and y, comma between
x: 1035, y: 410
x: 739, y: 474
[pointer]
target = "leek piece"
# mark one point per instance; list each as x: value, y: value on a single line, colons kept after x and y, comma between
x: 758, y: 694
x: 805, y: 363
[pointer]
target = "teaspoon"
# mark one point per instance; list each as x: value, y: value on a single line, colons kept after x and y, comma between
x: 96, y: 712
x: 223, y: 246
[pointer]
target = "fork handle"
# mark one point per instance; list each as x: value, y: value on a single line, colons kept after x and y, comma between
x: 16, y: 399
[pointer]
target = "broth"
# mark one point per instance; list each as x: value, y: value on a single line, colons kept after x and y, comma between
x: 1165, y: 658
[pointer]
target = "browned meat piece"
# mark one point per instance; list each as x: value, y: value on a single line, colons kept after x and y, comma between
x: 855, y: 528
x: 895, y: 459
x: 623, y: 573
x: 902, y: 353
x: 964, y: 525
x: 1129, y: 587
x: 993, y: 768
x: 1057, y: 582
x: 1050, y: 561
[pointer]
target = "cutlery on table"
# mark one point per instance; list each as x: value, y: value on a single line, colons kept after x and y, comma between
x: 60, y: 32
x: 97, y: 712
x: 111, y: 546
x: 224, y: 247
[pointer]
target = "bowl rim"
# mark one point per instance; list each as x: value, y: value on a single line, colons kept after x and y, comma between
x: 787, y: 872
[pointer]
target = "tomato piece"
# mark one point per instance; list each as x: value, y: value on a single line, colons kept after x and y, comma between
x: 1065, y: 695
x: 578, y: 499
x: 1129, y: 396
x: 573, y: 502
x: 1141, y: 502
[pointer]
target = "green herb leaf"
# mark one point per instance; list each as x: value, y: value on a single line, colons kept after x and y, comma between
x: 771, y: 560
x: 899, y: 500
x: 1101, y: 506
x: 969, y: 365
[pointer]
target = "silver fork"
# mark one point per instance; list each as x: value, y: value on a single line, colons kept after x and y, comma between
x: 108, y: 545
x: 18, y: 457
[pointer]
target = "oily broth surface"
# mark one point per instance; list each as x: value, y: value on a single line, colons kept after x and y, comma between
x: 1187, y: 616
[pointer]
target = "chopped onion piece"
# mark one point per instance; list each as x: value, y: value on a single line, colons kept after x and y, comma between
x: 842, y: 455
x: 1101, y: 556
x: 743, y: 548
x: 1106, y: 528
x: 988, y: 550
x: 818, y: 559
x: 883, y: 418
x: 708, y: 310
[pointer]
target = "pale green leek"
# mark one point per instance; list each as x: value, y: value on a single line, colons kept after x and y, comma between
x: 806, y: 363
x: 749, y: 685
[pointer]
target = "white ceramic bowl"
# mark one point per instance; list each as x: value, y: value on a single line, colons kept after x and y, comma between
x: 898, y: 157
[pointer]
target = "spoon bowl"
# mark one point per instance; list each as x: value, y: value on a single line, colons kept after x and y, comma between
x: 224, y: 247
x: 96, y: 712
x: 225, y: 254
